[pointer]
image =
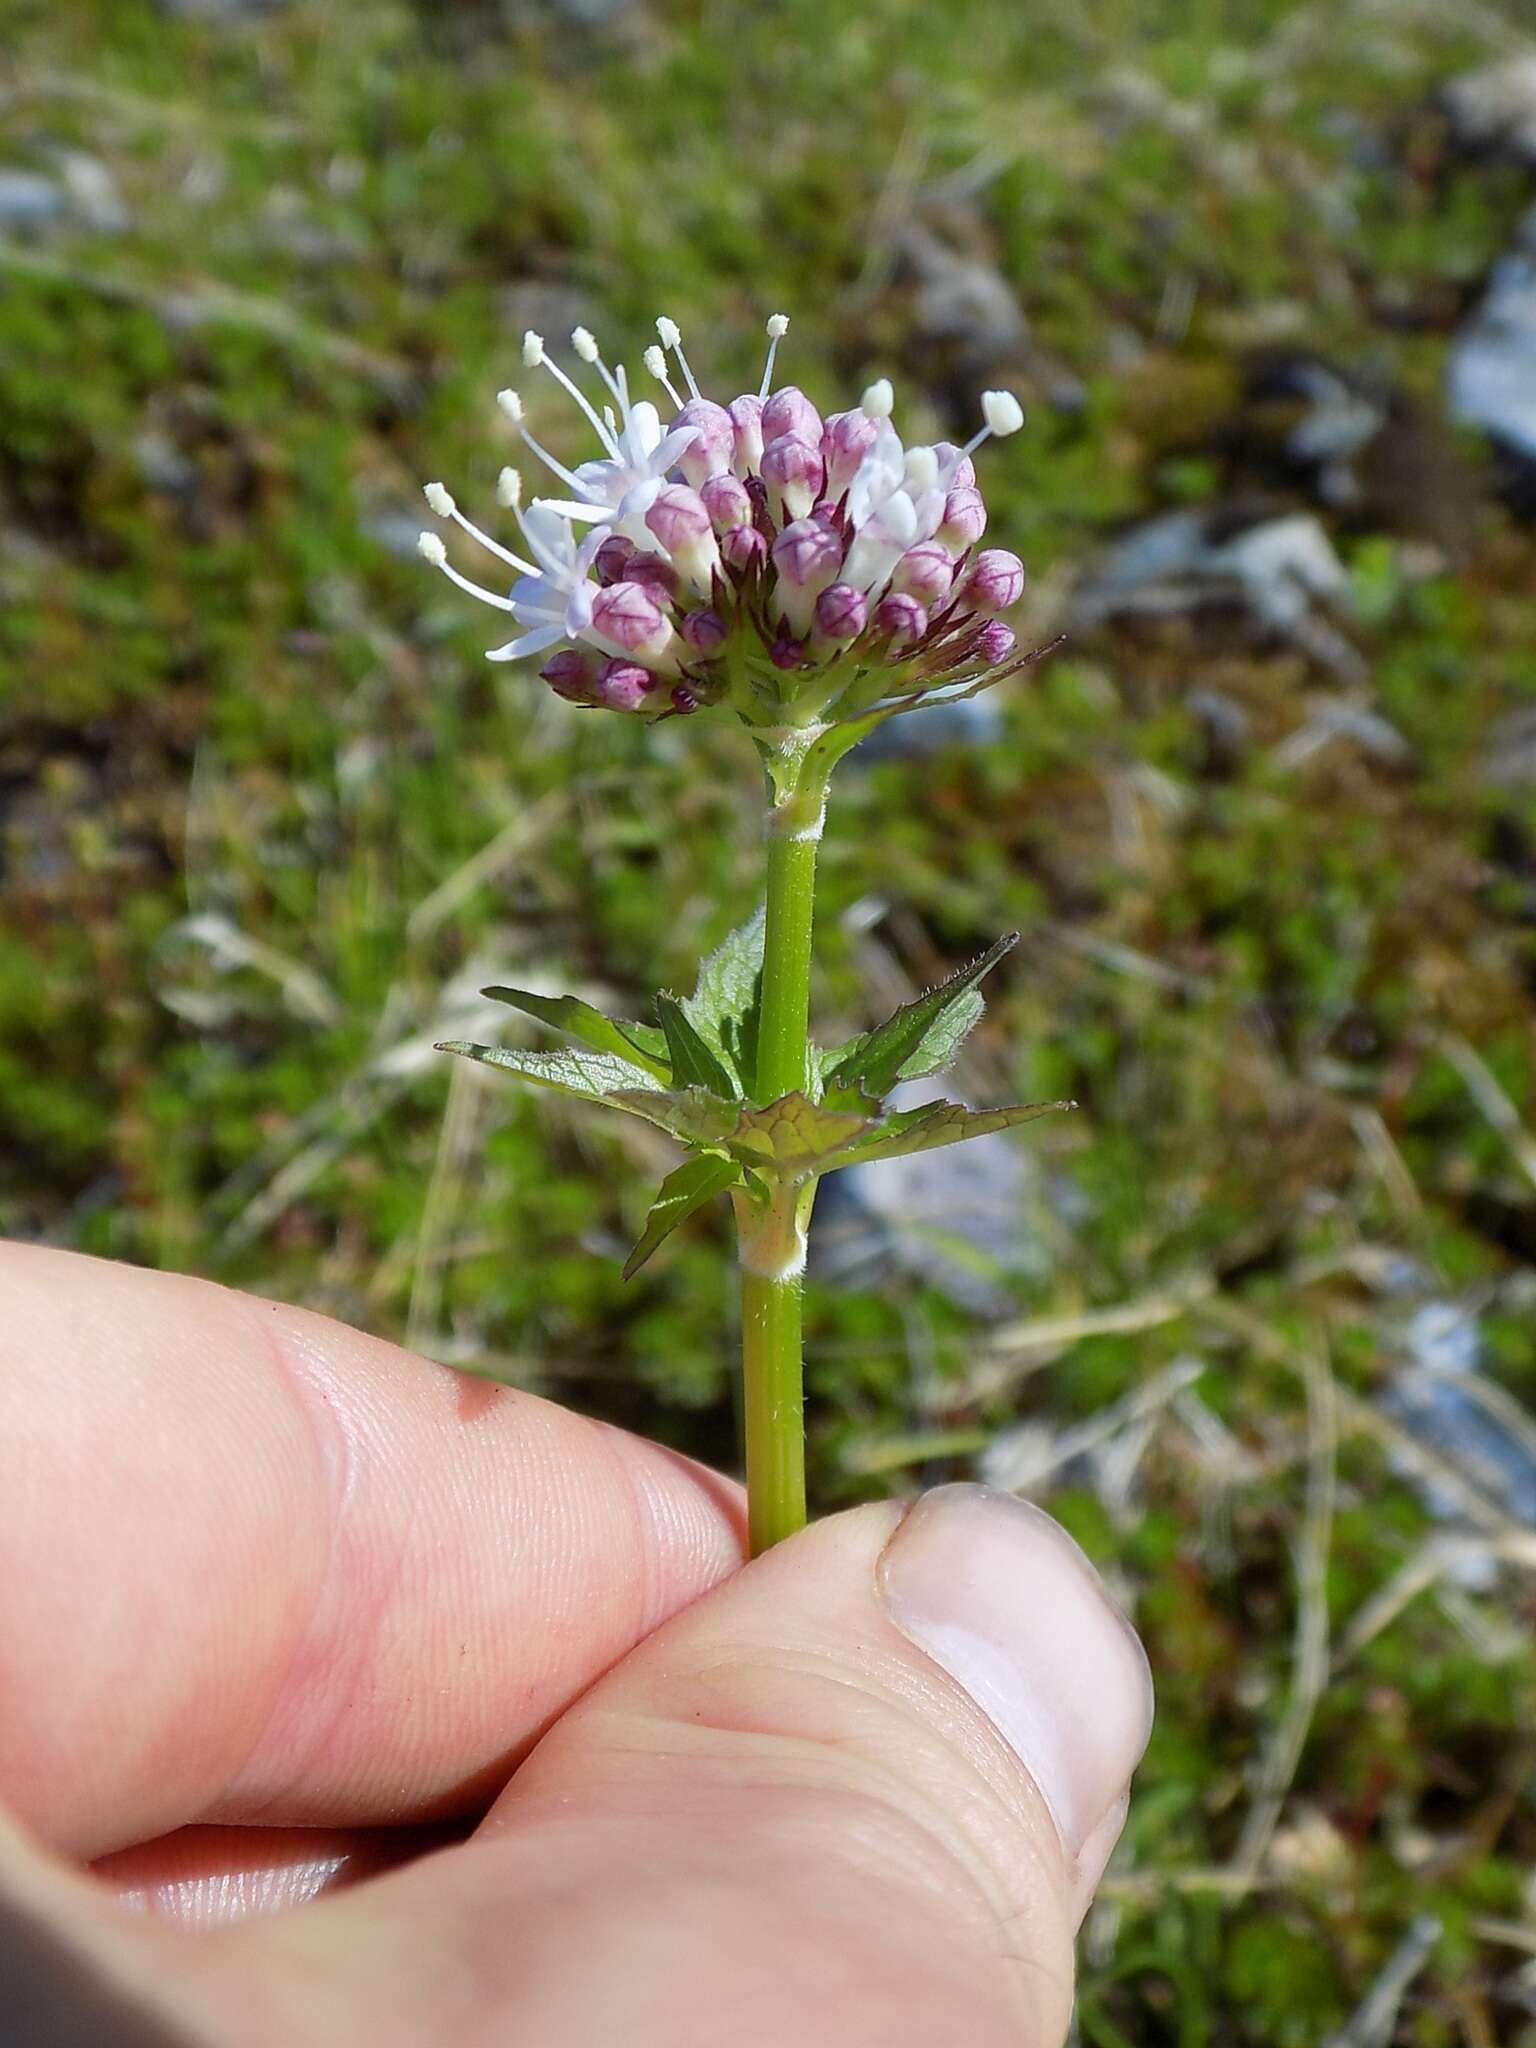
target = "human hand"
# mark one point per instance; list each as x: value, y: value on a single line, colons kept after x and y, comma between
x: 475, y: 1691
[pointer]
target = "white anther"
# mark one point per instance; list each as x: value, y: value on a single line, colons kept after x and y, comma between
x: 585, y: 343
x: 671, y: 334
x: 922, y: 468
x: 1002, y: 412
x: 440, y: 500
x: 533, y: 350
x: 511, y: 405
x: 430, y: 545
x: 879, y: 400
x: 778, y: 327
x: 509, y: 488
x: 655, y: 360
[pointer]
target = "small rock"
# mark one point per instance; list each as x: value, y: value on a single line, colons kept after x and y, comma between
x: 1491, y: 370
x: 1494, y: 108
x: 1510, y: 762
x: 29, y: 201
x: 1227, y: 728
x: 549, y: 307
x: 397, y: 530
x: 1319, y: 418
x: 966, y: 328
x: 953, y: 1218
x: 1274, y: 576
x: 93, y: 195
x: 914, y: 735
x: 163, y: 466
x: 1435, y: 1395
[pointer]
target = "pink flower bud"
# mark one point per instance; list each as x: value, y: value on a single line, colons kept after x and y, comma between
x: 786, y: 653
x: 793, y: 471
x: 612, y: 558
x: 683, y: 700
x: 900, y: 619
x: 628, y: 620
x: 744, y: 548
x: 624, y: 685
x: 704, y: 630
x: 806, y: 556
x: 994, y: 581
x: 995, y: 641
x: 679, y: 518
x: 925, y: 572
x: 841, y: 612
x: 965, y: 519
x: 656, y: 574
x: 845, y: 439
x: 747, y: 423
x: 572, y: 675
x: 957, y: 472
x: 714, y: 441
x: 726, y: 501
x: 790, y: 412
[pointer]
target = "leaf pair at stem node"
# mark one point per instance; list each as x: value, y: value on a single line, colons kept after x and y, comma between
x: 693, y: 1073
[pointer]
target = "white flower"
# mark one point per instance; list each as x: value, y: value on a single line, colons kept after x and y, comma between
x: 553, y: 593
x: 894, y: 501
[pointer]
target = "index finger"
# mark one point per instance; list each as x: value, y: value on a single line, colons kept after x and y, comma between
x: 257, y: 1566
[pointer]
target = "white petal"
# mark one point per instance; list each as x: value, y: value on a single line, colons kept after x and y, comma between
x: 571, y: 508
x: 528, y: 643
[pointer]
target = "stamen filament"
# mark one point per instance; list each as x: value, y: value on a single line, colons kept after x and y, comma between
x: 778, y: 327
x: 465, y: 583
x: 569, y: 384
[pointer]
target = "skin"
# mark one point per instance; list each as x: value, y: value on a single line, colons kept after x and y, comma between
x: 344, y: 1699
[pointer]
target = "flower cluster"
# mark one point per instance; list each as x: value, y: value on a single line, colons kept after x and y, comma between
x: 754, y: 552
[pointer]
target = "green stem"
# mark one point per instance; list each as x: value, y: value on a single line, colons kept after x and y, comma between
x: 773, y: 1406
x: 772, y: 1235
x: 783, y: 1030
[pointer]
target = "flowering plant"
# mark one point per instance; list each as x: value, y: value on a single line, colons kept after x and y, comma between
x: 808, y: 578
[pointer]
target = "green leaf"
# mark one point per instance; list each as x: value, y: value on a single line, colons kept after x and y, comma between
x: 944, y: 1037
x: 594, y: 1075
x: 935, y: 1124
x: 692, y: 1114
x: 724, y: 1006
x: 794, y: 1135
x: 694, y: 1063
x: 640, y: 1043
x: 879, y: 1059
x: 687, y: 1189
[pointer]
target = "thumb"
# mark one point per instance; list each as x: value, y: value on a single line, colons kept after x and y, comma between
x: 857, y: 1796
x: 863, y: 1791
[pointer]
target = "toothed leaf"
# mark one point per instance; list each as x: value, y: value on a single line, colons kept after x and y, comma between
x: 937, y: 1123
x: 878, y: 1060
x: 687, y: 1189
x: 639, y: 1043
x: 695, y: 1064
x: 944, y: 1037
x: 692, y: 1114
x: 724, y: 1006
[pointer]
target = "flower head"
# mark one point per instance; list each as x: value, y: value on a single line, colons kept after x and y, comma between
x: 751, y: 551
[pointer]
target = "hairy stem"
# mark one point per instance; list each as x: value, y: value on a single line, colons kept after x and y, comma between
x: 773, y: 1399
x: 783, y: 1030
x: 772, y: 1235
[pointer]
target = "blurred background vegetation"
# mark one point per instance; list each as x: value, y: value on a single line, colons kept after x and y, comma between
x: 1257, y: 1321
